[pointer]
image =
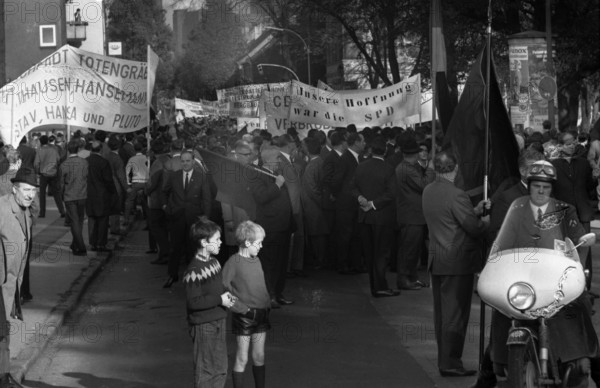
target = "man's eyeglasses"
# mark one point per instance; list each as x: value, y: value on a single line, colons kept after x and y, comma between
x: 244, y: 153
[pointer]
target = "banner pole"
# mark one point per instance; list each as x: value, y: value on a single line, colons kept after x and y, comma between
x: 12, y: 118
x: 148, y: 111
x: 486, y: 103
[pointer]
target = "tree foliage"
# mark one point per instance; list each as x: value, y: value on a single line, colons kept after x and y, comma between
x: 137, y: 24
x: 210, y: 55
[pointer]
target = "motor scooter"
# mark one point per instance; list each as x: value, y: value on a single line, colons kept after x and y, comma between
x: 530, y: 286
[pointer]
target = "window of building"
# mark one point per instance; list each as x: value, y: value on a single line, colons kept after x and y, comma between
x: 48, y: 35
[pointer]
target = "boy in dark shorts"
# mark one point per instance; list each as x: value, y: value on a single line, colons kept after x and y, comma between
x: 206, y: 302
x: 243, y: 276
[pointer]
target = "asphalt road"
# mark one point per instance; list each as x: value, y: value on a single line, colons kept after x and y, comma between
x: 130, y: 332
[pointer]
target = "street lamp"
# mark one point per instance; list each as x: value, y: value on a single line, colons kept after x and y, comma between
x: 261, y: 65
x: 306, y: 46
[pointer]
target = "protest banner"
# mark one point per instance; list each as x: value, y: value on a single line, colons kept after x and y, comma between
x: 244, y: 108
x: 276, y: 107
x: 248, y: 92
x: 189, y: 108
x: 250, y: 123
x: 375, y: 107
x: 215, y: 108
x: 75, y: 87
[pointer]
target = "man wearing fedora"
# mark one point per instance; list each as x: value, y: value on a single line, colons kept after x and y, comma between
x: 411, y: 179
x: 15, y: 233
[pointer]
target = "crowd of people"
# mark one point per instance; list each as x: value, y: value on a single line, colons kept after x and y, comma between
x: 352, y: 201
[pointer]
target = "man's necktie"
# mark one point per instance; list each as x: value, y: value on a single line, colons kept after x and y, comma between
x: 540, y: 215
x: 187, y: 181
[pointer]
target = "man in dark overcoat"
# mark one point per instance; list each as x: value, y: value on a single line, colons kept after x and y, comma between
x: 315, y: 224
x: 454, y: 256
x: 274, y: 214
x: 346, y: 207
x: 372, y: 189
x: 101, y: 197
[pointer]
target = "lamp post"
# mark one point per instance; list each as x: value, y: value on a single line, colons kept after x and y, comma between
x: 306, y: 46
x: 261, y: 65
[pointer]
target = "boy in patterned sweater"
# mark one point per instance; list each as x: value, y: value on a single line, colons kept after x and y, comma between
x: 206, y: 302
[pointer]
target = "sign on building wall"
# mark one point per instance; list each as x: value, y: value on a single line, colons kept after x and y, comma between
x: 115, y: 48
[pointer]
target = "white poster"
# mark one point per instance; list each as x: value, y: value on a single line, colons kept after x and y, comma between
x: 189, y: 108
x: 75, y: 87
x: 363, y: 108
x: 248, y: 92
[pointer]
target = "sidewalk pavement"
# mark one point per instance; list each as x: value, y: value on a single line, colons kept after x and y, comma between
x: 58, y: 281
x: 335, y: 334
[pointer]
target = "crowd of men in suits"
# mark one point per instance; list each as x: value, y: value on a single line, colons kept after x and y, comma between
x: 348, y: 201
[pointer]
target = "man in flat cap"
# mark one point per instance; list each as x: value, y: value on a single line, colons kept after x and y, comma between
x: 15, y: 234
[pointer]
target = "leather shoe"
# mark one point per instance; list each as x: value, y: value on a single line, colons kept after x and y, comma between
x: 160, y: 261
x: 457, y: 372
x: 281, y: 300
x: 150, y: 251
x: 385, y: 293
x: 274, y: 304
x: 411, y: 286
x: 485, y: 380
x: 170, y: 281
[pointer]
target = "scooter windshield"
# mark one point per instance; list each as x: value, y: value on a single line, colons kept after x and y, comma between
x: 527, y: 225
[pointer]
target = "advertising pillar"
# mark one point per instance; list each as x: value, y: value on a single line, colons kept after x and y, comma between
x: 532, y: 83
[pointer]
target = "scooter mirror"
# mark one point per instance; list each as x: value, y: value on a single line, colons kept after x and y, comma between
x: 588, y: 239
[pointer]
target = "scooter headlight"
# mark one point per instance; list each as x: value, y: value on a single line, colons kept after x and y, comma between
x: 521, y: 296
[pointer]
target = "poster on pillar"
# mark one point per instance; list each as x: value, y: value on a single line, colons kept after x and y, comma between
x: 81, y: 89
x: 532, y: 83
x: 363, y: 108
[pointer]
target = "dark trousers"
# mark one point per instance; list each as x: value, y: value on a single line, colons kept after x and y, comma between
x: 346, y: 234
x: 53, y: 182
x: 329, y: 215
x: 317, y: 248
x: 76, y: 214
x: 98, y: 231
x: 297, y: 254
x: 411, y: 239
x: 181, y: 247
x: 136, y: 191
x: 157, y: 226
x: 25, y: 284
x: 273, y: 258
x: 451, y: 309
x: 210, y: 354
x: 375, y: 241
x: 5, y: 353
x: 587, y: 260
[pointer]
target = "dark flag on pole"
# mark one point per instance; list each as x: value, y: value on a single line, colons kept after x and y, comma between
x: 233, y: 180
x: 466, y: 134
x: 438, y: 67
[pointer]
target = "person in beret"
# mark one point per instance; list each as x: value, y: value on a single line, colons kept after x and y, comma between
x: 15, y: 233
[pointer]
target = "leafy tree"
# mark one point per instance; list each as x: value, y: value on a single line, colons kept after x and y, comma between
x: 137, y: 24
x: 210, y: 55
